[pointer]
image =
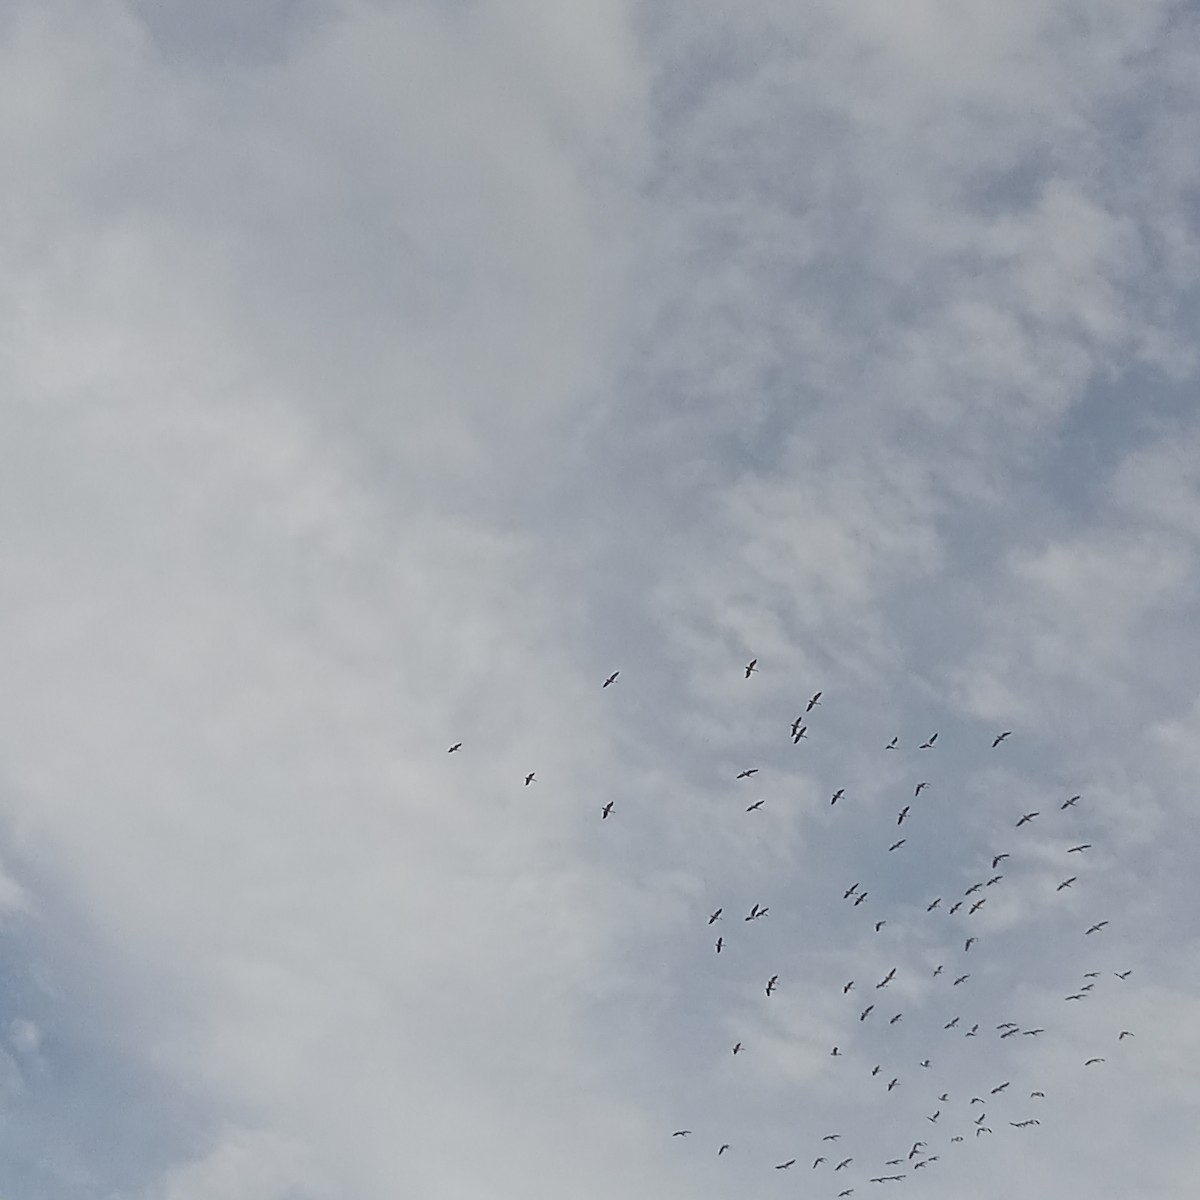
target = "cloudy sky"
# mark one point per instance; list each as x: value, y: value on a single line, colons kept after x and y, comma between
x: 382, y: 374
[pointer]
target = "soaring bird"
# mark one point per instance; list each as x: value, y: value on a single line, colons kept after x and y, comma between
x: 847, y: 1192
x: 846, y: 987
x: 817, y: 1162
x: 933, y: 1119
x: 993, y: 881
x: 796, y: 724
x: 866, y: 1012
x: 772, y: 983
x: 837, y: 795
x: 950, y: 1024
x: 1009, y: 1033
x: 1091, y: 974
x: 897, y: 845
x: 1000, y: 737
x: 895, y: 1018
x: 1071, y: 802
x: 724, y: 1147
x: 931, y: 907
x: 1090, y: 1061
x: 925, y: 1063
x: 835, y: 1053
x: 784, y: 1165
x: 1097, y: 927
x: 831, y: 1137
x: 844, y: 1163
x: 892, y: 744
x: 955, y: 907
x: 938, y: 971
x: 875, y: 1070
x: 737, y: 1047
x: 456, y: 746
x: 751, y: 667
x: 850, y: 891
x: 997, y: 859
x: 945, y: 1097
x: 801, y: 732
x: 529, y: 778
x: 976, y: 906
x: 1075, y: 996
x: 716, y: 916
x: 1123, y: 974
x: 1066, y: 883
x: 973, y: 1031
x: 1077, y: 849
x: 755, y: 913
x: 1031, y: 1032
x: 969, y: 943
x: 861, y: 897
x: 756, y: 805
x: 1123, y: 1035
x: 915, y: 1147
x: 1032, y: 1094
x: 997, y: 1090
x: 887, y: 978
x: 720, y: 944
x: 1027, y: 818
x: 903, y: 814
x: 813, y: 702
x: 681, y: 1133
x: 610, y: 680
x: 747, y: 774
x: 1007, y: 1025
x: 879, y: 925
x: 973, y: 888
x: 929, y: 744
x: 894, y: 1083
x: 606, y: 811
x: 920, y: 787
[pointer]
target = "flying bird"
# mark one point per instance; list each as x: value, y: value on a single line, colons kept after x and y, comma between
x: 1032, y: 1094
x: 897, y: 845
x: 456, y: 746
x: 720, y: 944
x: 1077, y: 849
x: 529, y: 778
x: 866, y: 1012
x: 784, y: 1165
x: 716, y: 916
x: 1097, y: 927
x: 973, y: 888
x: 929, y: 744
x: 817, y: 1162
x: 1090, y: 1061
x: 933, y: 1120
x: 892, y: 744
x: 751, y: 667
x: 1009, y: 1033
x: 844, y: 1163
x: 969, y: 943
x: 950, y: 1024
x: 1070, y: 803
x: 606, y: 811
x: 931, y: 907
x: 875, y: 1070
x: 997, y: 859
x: 755, y: 806
x: 955, y: 907
x: 850, y: 891
x: 1032, y: 1032
x: 681, y: 1133
x: 737, y: 1048
x: 1123, y: 974
x: 903, y: 814
x: 813, y: 702
x: 755, y: 913
x: 1123, y: 1035
x: 748, y: 774
x: 961, y: 979
x: 861, y: 897
x: 796, y: 724
x: 1001, y: 737
x: 1066, y: 883
x: 887, y: 978
x: 847, y: 987
x: 724, y: 1147
x: 920, y: 787
x: 1027, y: 818
x: 894, y: 1083
x: 835, y: 1053
x: 831, y: 1137
x: 772, y: 983
x: 973, y: 1031
x: 976, y: 906
x: 879, y: 925
x: 938, y: 971
x: 801, y: 732
x: 610, y: 680
x: 915, y: 1147
x: 997, y: 1090
x: 1076, y: 996
x: 837, y: 795
x: 925, y: 1063
x: 895, y: 1018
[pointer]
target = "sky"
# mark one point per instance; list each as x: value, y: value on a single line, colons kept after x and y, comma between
x: 377, y: 376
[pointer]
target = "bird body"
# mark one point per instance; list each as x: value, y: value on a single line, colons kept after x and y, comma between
x: 529, y: 778
x: 606, y: 811
x: 610, y: 680
x: 1001, y: 737
x: 456, y: 746
x: 751, y: 667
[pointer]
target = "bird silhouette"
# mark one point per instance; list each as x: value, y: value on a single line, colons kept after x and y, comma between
x: 720, y: 944
x: 1027, y: 818
x: 751, y: 667
x: 997, y: 859
x: 755, y: 806
x: 1078, y: 849
x: 813, y: 702
x: 837, y: 796
x: 748, y: 774
x: 920, y: 787
x: 456, y: 746
x: 783, y: 1166
x: 903, y: 814
x: 1001, y: 737
x: 897, y: 845
x: 1071, y: 802
x: 892, y: 744
x: 610, y: 680
x: 606, y: 811
x: 772, y: 983
x: 933, y: 737
x: 1097, y: 927
x: 715, y: 916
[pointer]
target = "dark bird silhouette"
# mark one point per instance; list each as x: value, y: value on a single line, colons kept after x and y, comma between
x: 879, y: 925
x: 969, y: 943
x: 995, y: 879
x: 846, y: 987
x: 861, y: 897
x: 895, y: 1018
x: 1009, y: 1033
x: 1066, y: 883
x: 973, y: 888
x: 716, y: 916
x: 1027, y: 818
x: 1123, y: 1035
x: 925, y: 1063
x: 903, y: 814
x: 892, y: 744
x: 817, y: 1162
x: 847, y: 1192
x: 748, y: 774
x: 681, y: 1133
x: 720, y: 944
x: 916, y: 1146
x: 737, y: 1047
x: 529, y: 778
x: 875, y: 1070
x: 796, y: 725
x: 1091, y: 1061
x: 835, y: 1053
x: 772, y: 983
x: 1070, y: 803
x: 955, y: 907
x: 1032, y: 1032
x: 1091, y: 974
x: 1077, y: 849
x: 801, y: 732
x: 1097, y: 927
x: 945, y: 1097
x: 1032, y: 1094
x: 610, y: 680
x: 894, y: 1083
x: 724, y: 1147
x: 813, y: 702
x: 920, y: 787
x: 997, y: 859
x: 950, y: 1024
x: 844, y: 1163
x: 931, y: 907
x: 1123, y: 974
x: 961, y: 979
x: 755, y: 806
x: 837, y: 796
x: 887, y: 978
x: 606, y: 811
x: 866, y: 1012
x: 897, y: 845
x: 938, y: 971
x: 976, y: 906
x: 751, y: 667
x: 831, y: 1137
x: 784, y: 1165
x: 929, y: 744
x: 456, y: 746
x: 755, y: 913
x: 997, y: 1090
x: 850, y: 891
x: 1007, y: 1025
x: 973, y: 1031
x: 933, y: 1119
x: 1001, y: 737
x: 1076, y: 996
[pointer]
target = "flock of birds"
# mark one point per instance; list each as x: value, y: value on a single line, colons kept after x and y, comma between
x: 953, y: 1119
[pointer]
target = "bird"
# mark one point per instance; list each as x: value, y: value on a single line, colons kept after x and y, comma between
x: 1122, y: 974
x: 1076, y: 996
x: 973, y: 888
x: 606, y: 811
x: 976, y: 906
x: 980, y: 1120
x: 456, y: 746
x: 1032, y: 1032
x: 847, y: 1192
x: 529, y: 778
x: 925, y: 1063
x: 915, y: 1147
x: 1000, y: 737
x: 1033, y: 1094
x: 961, y: 979
x: 897, y: 845
x: 783, y: 1166
x: 950, y: 1024
x: 1071, y: 802
x: 1123, y: 1035
x: 955, y: 907
x: 1009, y: 1033
x: 610, y: 680
x: 835, y: 1053
x: 720, y: 944
x: 1027, y: 818
x: 997, y: 859
x: 850, y: 891
x: 879, y: 925
x: 756, y: 805
x: 837, y: 796
x: 894, y: 1083
x: 895, y: 1018
x: 977, y: 1100
x: 887, y: 978
x: 755, y: 913
x: 724, y: 1147
x: 973, y: 1031
x: 933, y: 1119
x: 969, y: 943
x: 715, y: 916
x: 866, y: 1012
x: 938, y: 971
x: 751, y: 667
x: 920, y: 787
x: 875, y: 1070
x: 997, y: 1090
x: 944, y: 1097
x: 1007, y: 1025
x: 817, y: 1162
x: 1078, y: 849
x: 1066, y: 883
x: 831, y: 1137
x: 796, y: 724
x: 737, y: 1047
x: 993, y: 881
x: 931, y: 907
x: 929, y: 744
x: 1097, y: 927
x: 816, y: 700
x: 892, y: 744
x: 1091, y: 974
x: 801, y: 732
x: 844, y: 1163
x: 846, y: 987
x: 772, y: 983
x: 903, y: 814
x: 748, y: 774
x: 1090, y: 1061
x: 861, y: 897
x: 681, y: 1133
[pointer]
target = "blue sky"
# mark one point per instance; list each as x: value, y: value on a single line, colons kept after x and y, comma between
x: 380, y: 376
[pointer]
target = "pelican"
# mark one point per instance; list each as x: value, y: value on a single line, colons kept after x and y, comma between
x: 997, y: 859
x: 846, y: 988
x: 866, y: 1012
x: 748, y: 774
x: 772, y: 983
x: 606, y: 811
x: 816, y: 700
x: 887, y: 978
x: 903, y: 814
x: 1097, y: 927
x: 1123, y: 974
x: 720, y: 944
x: 737, y: 1048
x: 784, y: 1165
x: 755, y: 806
x: 969, y: 943
x: 929, y: 744
x: 955, y: 907
x: 897, y: 845
x: 920, y: 787
x: 879, y: 925
x: 456, y: 746
x: 681, y: 1133
x: 610, y: 680
x: 1027, y: 818
x: 976, y: 906
x: 895, y: 1018
x: 1078, y: 849
x: 950, y: 1024
x: 892, y: 744
x: 1066, y: 883
x: 1070, y: 803
x: 1090, y: 1061
x: 751, y: 667
x: 837, y: 796
x: 844, y: 1163
x: 861, y: 897
x: 893, y: 1084
x: 1123, y: 1035
x: 850, y: 891
x: 1001, y: 737
x: 724, y: 1147
x: 529, y: 778
x: 716, y: 916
